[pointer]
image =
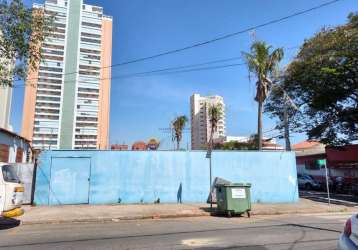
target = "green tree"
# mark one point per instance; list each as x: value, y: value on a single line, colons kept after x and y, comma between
x: 21, y: 33
x: 235, y: 145
x: 263, y: 64
x: 215, y: 113
x: 178, y: 125
x: 280, y: 105
x: 323, y: 81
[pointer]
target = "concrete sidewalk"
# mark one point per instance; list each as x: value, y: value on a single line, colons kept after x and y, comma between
x: 106, y: 213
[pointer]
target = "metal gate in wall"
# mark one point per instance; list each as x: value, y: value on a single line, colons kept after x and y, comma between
x: 69, y: 180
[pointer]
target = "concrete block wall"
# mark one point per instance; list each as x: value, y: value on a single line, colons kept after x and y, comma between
x: 145, y: 176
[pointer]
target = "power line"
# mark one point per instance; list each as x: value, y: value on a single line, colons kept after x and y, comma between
x: 161, y: 71
x: 166, y: 71
x: 184, y: 71
x: 182, y: 67
x: 199, y: 44
x: 227, y: 35
x: 172, y: 68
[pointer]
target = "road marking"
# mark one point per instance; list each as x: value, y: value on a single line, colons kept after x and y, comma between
x: 199, y: 242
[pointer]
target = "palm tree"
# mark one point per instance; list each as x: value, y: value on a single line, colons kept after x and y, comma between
x: 178, y: 125
x: 215, y: 114
x: 263, y: 64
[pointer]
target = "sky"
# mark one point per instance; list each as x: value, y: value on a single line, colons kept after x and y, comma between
x: 140, y: 106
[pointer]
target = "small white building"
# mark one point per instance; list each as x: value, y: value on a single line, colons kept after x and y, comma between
x: 267, y: 143
x: 14, y: 148
x: 229, y: 138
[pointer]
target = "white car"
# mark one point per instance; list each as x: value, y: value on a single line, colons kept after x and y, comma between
x: 349, y: 238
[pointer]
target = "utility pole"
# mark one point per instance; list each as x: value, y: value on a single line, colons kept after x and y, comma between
x: 324, y: 162
x: 287, y: 102
x: 287, y: 129
x: 208, y: 155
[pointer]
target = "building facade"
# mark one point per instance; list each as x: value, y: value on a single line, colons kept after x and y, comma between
x: 67, y: 97
x: 200, y: 125
x: 139, y: 146
x: 341, y: 161
x: 14, y: 148
x: 119, y: 147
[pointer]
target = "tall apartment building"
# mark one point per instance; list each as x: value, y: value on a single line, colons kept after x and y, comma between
x: 5, y: 106
x: 67, y: 97
x: 5, y: 98
x: 200, y: 125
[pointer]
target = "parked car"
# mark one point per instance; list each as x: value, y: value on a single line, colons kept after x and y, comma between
x: 307, y: 182
x: 349, y: 238
x: 323, y: 184
x: 354, y: 189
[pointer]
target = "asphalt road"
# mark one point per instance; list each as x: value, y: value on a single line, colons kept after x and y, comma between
x: 339, y: 199
x: 319, y: 231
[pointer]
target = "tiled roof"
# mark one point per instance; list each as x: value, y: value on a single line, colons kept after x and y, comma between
x: 305, y: 145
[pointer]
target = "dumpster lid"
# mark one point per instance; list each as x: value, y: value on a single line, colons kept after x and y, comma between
x: 234, y: 185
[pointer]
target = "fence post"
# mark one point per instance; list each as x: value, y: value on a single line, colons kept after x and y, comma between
x: 33, y: 184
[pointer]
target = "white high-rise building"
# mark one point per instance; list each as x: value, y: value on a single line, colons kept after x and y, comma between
x: 5, y: 106
x: 5, y: 95
x: 200, y: 125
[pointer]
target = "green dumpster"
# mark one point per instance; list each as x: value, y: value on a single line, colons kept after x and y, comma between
x: 233, y: 198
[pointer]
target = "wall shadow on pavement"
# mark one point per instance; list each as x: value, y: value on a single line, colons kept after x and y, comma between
x: 214, y: 212
x: 8, y: 223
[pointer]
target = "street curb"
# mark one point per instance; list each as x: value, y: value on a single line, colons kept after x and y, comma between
x: 171, y: 216
x: 115, y: 219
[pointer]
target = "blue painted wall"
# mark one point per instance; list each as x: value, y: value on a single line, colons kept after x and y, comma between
x: 135, y: 177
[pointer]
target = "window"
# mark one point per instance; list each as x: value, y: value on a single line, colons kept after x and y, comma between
x: 9, y: 174
x: 95, y: 25
x: 19, y: 154
x: 87, y: 40
x: 4, y: 153
x: 96, y: 9
x: 90, y: 35
x: 28, y: 154
x: 312, y: 165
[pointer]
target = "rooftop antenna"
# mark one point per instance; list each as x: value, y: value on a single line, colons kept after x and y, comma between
x: 252, y: 34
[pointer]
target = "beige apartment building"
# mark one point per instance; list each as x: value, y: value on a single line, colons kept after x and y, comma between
x: 67, y: 97
x: 200, y: 125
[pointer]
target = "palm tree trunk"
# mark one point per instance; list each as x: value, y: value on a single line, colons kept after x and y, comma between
x: 178, y: 144
x: 211, y: 138
x: 259, y: 126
